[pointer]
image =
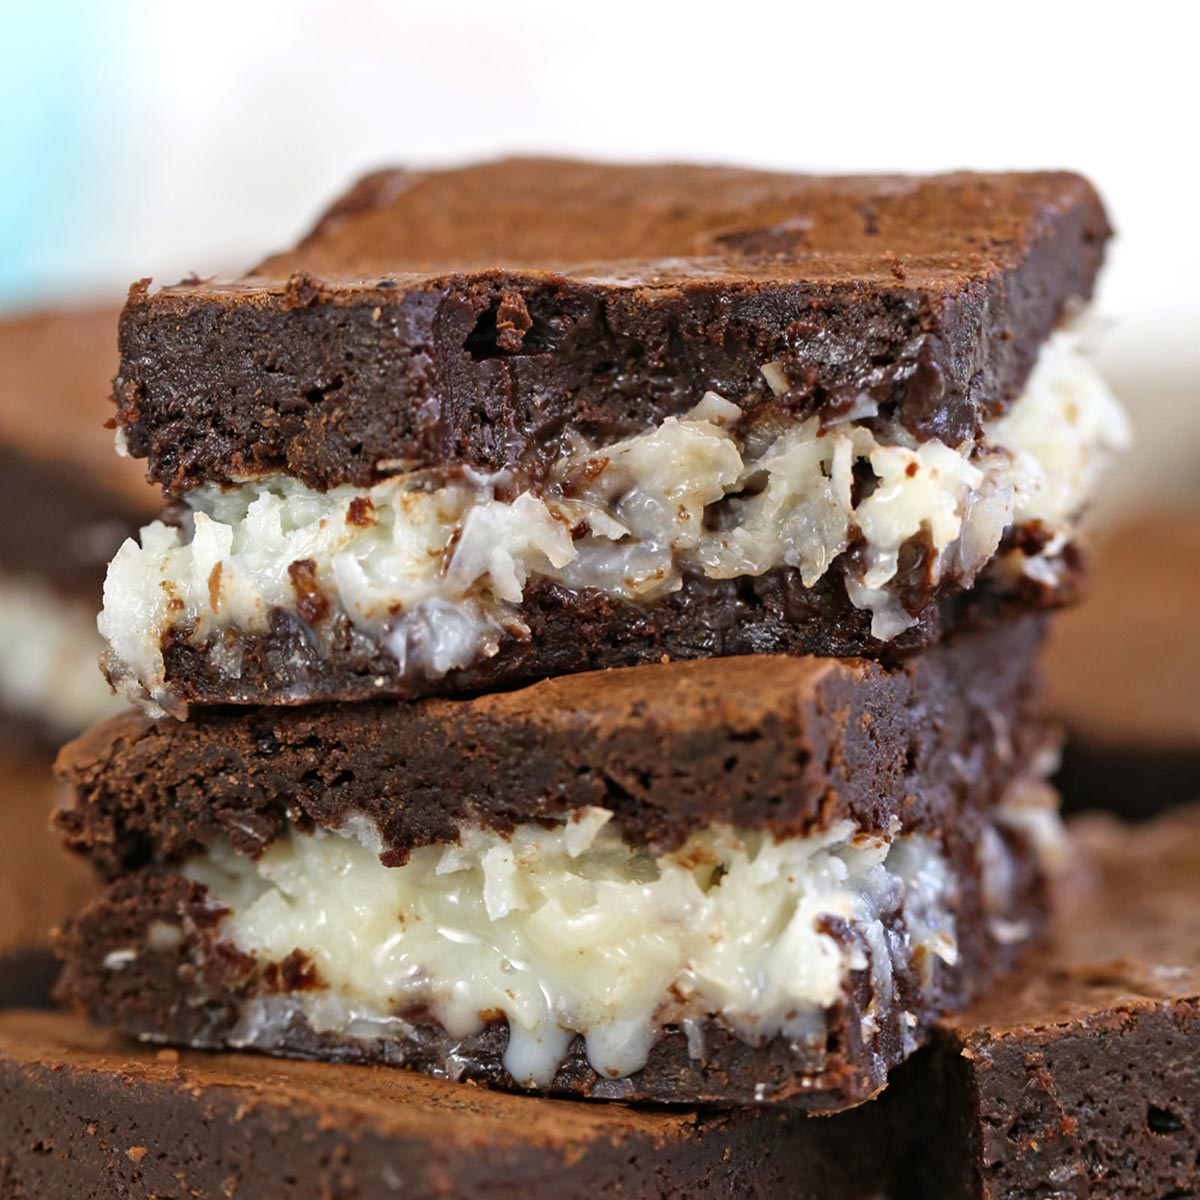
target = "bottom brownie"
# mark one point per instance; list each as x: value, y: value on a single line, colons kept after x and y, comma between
x: 736, y: 880
x: 89, y: 1116
x: 1079, y: 1077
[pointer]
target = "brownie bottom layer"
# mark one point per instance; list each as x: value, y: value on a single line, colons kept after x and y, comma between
x: 89, y: 1116
x: 1079, y: 1077
x: 163, y: 957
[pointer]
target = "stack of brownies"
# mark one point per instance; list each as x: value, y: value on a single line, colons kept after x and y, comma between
x: 590, y: 644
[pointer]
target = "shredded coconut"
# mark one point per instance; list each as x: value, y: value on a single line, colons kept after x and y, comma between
x: 437, y: 568
x: 570, y: 933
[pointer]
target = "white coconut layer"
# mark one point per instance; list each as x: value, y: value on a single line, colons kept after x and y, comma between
x: 568, y: 930
x: 437, y: 569
x: 49, y: 669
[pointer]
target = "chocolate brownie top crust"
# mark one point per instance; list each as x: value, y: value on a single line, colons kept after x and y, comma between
x: 777, y: 743
x: 478, y: 316
x: 89, y: 1115
x: 581, y: 217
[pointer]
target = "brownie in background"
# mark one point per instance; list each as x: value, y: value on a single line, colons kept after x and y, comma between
x: 1124, y: 672
x: 1080, y: 1076
x: 68, y: 503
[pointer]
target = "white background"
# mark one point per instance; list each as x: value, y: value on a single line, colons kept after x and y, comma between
x: 215, y: 132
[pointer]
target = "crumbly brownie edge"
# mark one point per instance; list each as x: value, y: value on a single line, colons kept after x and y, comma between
x: 1103, y: 1105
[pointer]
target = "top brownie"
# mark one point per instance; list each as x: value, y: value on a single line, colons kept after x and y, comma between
x: 489, y: 425
x: 482, y: 315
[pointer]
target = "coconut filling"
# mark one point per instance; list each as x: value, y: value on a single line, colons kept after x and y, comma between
x: 49, y: 669
x: 567, y: 930
x: 437, y: 567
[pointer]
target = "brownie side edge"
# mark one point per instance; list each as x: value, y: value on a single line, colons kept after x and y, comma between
x: 775, y: 743
x: 1105, y: 1105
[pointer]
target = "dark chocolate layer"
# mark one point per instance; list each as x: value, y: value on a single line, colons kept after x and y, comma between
x: 90, y: 1116
x: 484, y: 314
x: 776, y: 743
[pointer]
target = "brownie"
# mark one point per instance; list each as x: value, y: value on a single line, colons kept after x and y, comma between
x: 89, y: 1115
x: 71, y: 502
x: 476, y: 315
x: 39, y: 883
x: 196, y: 989
x: 1080, y: 1077
x: 1077, y: 1078
x: 779, y: 744
x: 57, y: 465
x: 936, y: 759
x: 497, y: 423
x: 1132, y: 710
x: 566, y: 631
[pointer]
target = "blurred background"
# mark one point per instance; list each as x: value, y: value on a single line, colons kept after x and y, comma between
x: 148, y: 138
